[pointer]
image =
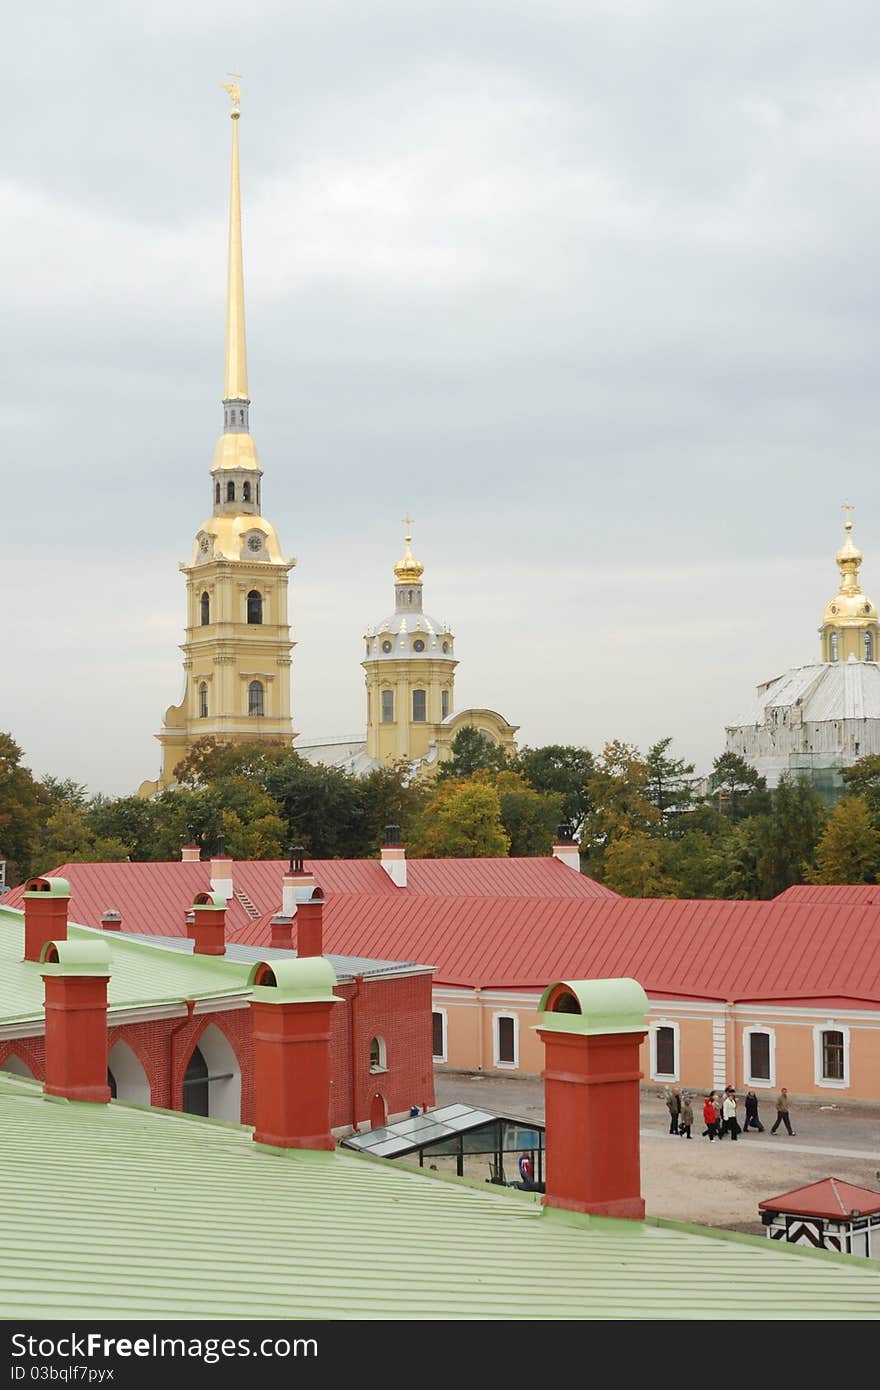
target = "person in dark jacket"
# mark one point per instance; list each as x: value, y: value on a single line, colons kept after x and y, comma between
x: 752, y: 1120
x: 673, y: 1105
x: 687, y: 1117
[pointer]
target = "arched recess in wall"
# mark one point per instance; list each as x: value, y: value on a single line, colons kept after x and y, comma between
x: 224, y: 1075
x: 15, y: 1066
x: 132, y: 1082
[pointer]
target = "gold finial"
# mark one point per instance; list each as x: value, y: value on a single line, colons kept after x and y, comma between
x: 235, y: 374
x: 234, y: 94
x: 408, y: 569
x: 849, y: 509
x: 849, y: 557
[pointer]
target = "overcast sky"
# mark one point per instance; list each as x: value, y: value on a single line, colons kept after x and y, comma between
x: 588, y: 288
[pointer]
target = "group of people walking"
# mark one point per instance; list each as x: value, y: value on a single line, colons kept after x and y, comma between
x: 720, y: 1114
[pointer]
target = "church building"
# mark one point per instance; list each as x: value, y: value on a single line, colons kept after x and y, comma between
x: 818, y: 719
x: 237, y: 648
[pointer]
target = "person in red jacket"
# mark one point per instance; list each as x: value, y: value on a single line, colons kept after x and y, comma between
x: 710, y: 1118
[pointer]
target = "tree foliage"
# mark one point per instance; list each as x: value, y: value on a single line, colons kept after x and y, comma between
x: 462, y: 821
x: 849, y: 850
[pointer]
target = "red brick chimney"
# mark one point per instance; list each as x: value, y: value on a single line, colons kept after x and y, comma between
x: 75, y: 975
x: 392, y: 856
x: 290, y: 1012
x: 592, y: 1030
x: 310, y: 926
x: 111, y: 920
x: 281, y: 928
x: 45, y: 914
x: 209, y: 924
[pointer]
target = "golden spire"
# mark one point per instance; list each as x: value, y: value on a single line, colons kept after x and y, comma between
x: 849, y: 557
x: 236, y: 383
x: 408, y: 569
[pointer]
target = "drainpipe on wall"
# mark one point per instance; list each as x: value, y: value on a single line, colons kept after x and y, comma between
x: 172, y: 1038
x: 355, y: 1090
x: 478, y: 996
x: 729, y: 1043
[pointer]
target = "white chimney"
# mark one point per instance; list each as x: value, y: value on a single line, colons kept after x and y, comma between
x: 190, y: 854
x: 566, y: 849
x: 392, y: 856
x: 298, y: 883
x: 221, y: 875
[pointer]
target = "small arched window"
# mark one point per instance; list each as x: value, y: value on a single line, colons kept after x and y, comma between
x: 230, y: 492
x: 255, y: 699
x: 241, y: 417
x: 206, y: 610
x: 378, y: 1057
x: 444, y: 703
x: 254, y: 607
x: 203, y: 701
x: 869, y: 646
x: 834, y: 647
x: 419, y: 706
x: 216, y: 492
x: 258, y: 494
x: 246, y: 492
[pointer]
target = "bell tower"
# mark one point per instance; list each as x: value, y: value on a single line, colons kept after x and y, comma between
x: 236, y: 656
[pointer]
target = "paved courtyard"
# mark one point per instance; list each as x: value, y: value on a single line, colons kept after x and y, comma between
x: 714, y: 1184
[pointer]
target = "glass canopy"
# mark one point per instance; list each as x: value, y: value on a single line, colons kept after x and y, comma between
x: 457, y: 1132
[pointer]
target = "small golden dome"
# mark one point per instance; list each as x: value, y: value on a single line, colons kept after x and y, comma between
x: 408, y: 569
x: 850, y: 606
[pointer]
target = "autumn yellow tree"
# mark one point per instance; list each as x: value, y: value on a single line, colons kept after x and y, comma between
x: 461, y: 821
x: 849, y: 849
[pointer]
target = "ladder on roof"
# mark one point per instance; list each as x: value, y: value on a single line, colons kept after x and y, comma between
x: 246, y: 903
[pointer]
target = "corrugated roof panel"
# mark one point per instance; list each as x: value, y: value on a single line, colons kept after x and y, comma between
x: 335, y: 1235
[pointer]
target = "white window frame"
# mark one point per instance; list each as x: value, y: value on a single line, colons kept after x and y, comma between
x: 676, y: 1043
x: 747, y: 1057
x: 496, y: 1041
x: 830, y: 1026
x: 442, y: 1055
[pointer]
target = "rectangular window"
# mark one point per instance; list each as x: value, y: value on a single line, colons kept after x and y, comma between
x: 832, y: 1056
x: 419, y: 707
x: 759, y: 1056
x: 444, y: 703
x: 505, y: 1040
x: 387, y: 706
x: 665, y: 1052
x: 438, y: 1025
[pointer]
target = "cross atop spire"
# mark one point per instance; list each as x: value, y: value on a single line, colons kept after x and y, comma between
x: 849, y: 509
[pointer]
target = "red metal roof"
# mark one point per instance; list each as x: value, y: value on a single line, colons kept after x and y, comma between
x: 865, y: 893
x: 550, y: 923
x: 832, y: 1198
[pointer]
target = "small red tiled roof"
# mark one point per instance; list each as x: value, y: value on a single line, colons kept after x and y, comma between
x: 524, y: 923
x: 832, y: 1198
x: 865, y: 893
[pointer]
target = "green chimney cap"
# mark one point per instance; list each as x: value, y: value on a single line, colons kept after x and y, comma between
x: 215, y: 902
x: 593, y: 1007
x: 308, y: 981
x: 48, y: 887
x: 76, y: 958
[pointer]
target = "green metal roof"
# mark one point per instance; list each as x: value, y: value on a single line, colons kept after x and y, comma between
x: 115, y: 1212
x: 140, y: 973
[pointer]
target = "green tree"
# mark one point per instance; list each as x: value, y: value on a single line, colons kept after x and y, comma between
x: 133, y: 820
x: 462, y: 821
x: 696, y: 863
x: 849, y: 850
x: 389, y: 796
x: 63, y: 791
x: 65, y: 837
x: 211, y: 759
x: 863, y: 779
x: 323, y: 807
x: 530, y: 818
x: 561, y: 768
x: 472, y: 752
x: 24, y: 805
x: 633, y: 867
x: 619, y: 804
x: 670, y: 784
x: 739, y: 789
x: 795, y: 823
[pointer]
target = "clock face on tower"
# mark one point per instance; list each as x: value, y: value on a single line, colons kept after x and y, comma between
x: 255, y: 543
x: 204, y: 545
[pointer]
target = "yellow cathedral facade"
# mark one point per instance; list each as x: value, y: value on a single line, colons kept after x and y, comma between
x: 237, y: 649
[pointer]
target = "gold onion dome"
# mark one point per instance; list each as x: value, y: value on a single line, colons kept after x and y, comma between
x: 408, y: 569
x: 849, y: 602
